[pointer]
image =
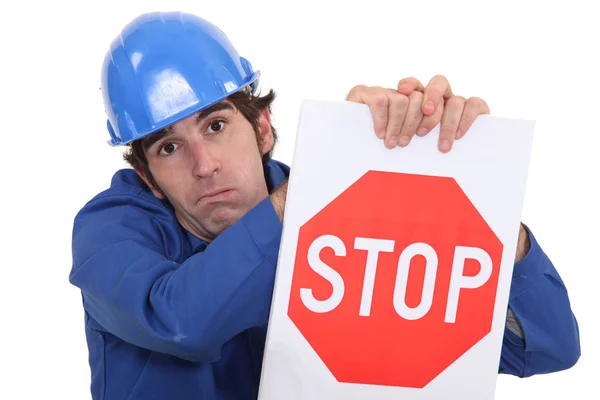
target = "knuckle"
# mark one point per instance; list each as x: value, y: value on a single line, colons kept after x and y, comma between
x: 416, y: 96
x: 399, y: 102
x: 410, y: 127
x: 475, y: 102
x: 448, y: 130
x: 429, y: 123
x: 466, y: 120
x: 410, y: 81
x: 394, y: 127
x: 441, y: 78
x: 356, y: 89
x: 457, y: 100
x: 435, y: 93
x: 415, y: 121
x: 380, y: 100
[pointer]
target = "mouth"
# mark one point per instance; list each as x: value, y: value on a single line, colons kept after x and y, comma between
x: 216, y: 195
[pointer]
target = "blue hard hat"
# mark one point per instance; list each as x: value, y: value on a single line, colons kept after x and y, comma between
x: 166, y: 66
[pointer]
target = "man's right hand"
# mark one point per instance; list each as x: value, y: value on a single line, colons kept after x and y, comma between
x: 278, y: 199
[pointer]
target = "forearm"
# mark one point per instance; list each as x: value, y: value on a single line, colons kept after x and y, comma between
x: 540, y: 303
x: 188, y: 310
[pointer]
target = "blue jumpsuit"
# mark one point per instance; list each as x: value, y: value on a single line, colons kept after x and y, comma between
x: 168, y: 316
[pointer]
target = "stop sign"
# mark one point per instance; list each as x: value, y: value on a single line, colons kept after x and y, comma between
x: 395, y: 279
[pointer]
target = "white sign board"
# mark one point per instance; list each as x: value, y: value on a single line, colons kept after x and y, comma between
x: 395, y: 265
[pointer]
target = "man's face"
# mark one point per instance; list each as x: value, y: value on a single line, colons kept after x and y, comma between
x: 209, y: 166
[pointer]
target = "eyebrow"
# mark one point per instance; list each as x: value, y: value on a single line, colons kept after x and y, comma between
x: 161, y: 134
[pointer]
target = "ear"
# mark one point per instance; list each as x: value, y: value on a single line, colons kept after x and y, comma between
x: 266, y: 133
x: 158, y: 193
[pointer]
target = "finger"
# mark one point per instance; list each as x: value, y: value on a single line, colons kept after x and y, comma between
x: 408, y: 85
x: 356, y: 93
x: 412, y: 119
x: 397, y: 109
x: 437, y: 91
x: 453, y: 111
x: 473, y: 108
x: 377, y: 100
x: 430, y: 122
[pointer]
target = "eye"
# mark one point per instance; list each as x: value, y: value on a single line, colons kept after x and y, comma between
x: 216, y: 126
x: 167, y: 148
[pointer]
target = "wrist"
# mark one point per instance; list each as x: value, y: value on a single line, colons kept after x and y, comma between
x: 278, y: 198
x: 523, y: 243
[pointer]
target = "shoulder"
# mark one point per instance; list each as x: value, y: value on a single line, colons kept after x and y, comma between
x: 127, y: 210
x: 126, y: 182
x: 126, y: 190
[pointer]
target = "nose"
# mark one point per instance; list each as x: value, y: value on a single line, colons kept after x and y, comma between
x: 206, y: 159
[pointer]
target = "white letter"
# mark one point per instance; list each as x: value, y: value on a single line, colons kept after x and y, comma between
x: 458, y: 281
x: 431, y: 262
x: 323, y: 306
x: 373, y: 247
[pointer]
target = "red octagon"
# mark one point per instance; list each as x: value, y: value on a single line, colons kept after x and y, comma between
x: 364, y: 325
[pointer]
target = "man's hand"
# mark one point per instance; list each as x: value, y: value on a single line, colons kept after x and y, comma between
x: 399, y: 114
x: 278, y: 197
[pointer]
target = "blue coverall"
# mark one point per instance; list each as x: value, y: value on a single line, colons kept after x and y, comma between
x: 168, y: 316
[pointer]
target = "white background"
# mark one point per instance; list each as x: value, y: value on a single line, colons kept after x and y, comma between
x: 526, y: 59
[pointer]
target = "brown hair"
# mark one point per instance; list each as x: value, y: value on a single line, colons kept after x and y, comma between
x: 249, y: 105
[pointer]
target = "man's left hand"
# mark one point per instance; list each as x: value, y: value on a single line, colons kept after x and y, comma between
x: 412, y: 109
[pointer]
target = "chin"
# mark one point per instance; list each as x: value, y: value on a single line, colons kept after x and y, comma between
x: 224, y: 217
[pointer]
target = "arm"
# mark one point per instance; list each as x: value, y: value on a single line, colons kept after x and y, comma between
x: 542, y: 334
x: 541, y: 331
x: 136, y: 292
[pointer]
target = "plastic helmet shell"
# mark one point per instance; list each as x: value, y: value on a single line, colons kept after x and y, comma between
x: 164, y: 67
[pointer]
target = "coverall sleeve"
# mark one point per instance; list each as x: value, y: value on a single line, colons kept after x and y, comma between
x: 132, y: 288
x: 540, y: 302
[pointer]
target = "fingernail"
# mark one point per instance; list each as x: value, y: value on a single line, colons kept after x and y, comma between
x: 393, y: 141
x: 422, y: 131
x: 428, y: 106
x: 404, y: 140
x: 381, y: 134
x: 444, y: 145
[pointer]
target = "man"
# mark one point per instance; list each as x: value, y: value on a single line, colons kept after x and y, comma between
x: 176, y: 260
